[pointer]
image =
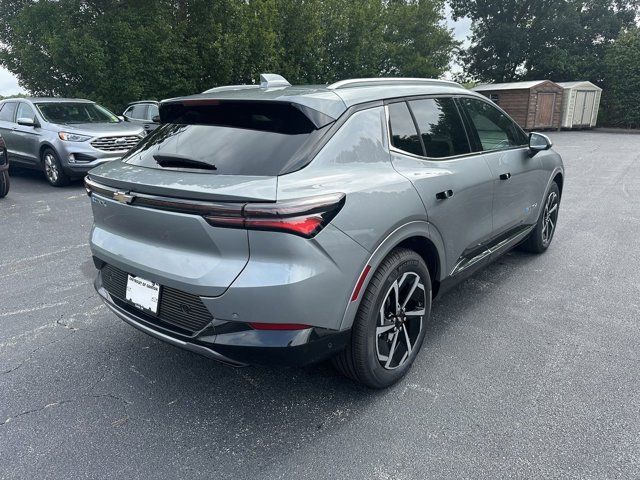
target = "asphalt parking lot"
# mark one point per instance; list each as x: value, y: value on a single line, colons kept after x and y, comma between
x: 530, y: 369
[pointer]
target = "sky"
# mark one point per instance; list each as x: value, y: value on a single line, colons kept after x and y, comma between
x: 9, y: 83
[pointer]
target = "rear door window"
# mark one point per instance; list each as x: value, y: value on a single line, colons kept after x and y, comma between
x: 139, y: 111
x: 404, y: 135
x: 440, y: 127
x: 152, y: 112
x: 492, y: 128
x: 228, y: 138
x: 7, y: 113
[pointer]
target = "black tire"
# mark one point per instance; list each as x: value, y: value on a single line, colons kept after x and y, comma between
x: 4, y: 183
x: 53, y: 168
x: 361, y: 360
x: 540, y: 238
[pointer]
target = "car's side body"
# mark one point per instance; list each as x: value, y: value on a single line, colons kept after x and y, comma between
x: 142, y: 113
x: 392, y: 198
x: 26, y: 141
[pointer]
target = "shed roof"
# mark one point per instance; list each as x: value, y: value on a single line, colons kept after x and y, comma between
x: 509, y: 86
x: 580, y: 83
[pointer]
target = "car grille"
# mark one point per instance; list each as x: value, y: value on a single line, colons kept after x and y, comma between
x: 116, y: 144
x: 177, y: 309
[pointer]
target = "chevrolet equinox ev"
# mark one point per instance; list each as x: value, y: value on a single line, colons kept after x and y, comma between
x: 291, y: 224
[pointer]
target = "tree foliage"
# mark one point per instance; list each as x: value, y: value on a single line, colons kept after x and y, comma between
x: 533, y: 39
x: 116, y: 51
x: 621, y: 94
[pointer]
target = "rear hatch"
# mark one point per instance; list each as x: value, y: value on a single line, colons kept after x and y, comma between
x: 207, y: 154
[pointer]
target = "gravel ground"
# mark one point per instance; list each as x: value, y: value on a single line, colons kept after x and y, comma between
x: 530, y: 369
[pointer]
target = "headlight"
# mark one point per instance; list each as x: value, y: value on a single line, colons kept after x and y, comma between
x: 73, y: 137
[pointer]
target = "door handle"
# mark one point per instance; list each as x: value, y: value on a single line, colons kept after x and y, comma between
x: 505, y: 176
x: 444, y: 195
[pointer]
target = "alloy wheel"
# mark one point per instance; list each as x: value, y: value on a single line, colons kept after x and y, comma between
x: 400, y: 320
x: 51, y: 168
x: 550, y: 217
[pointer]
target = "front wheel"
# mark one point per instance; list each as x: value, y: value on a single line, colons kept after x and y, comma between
x: 4, y: 183
x: 53, y: 168
x: 389, y: 328
x: 540, y: 238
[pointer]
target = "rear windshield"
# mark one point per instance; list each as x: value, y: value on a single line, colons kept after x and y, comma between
x: 258, y: 139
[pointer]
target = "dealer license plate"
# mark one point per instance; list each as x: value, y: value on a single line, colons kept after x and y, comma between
x: 144, y: 294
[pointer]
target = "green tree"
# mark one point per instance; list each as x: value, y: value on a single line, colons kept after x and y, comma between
x: 527, y: 39
x: 116, y: 51
x: 621, y: 94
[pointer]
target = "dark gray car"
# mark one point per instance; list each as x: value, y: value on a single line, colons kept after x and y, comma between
x: 275, y: 223
x: 63, y: 137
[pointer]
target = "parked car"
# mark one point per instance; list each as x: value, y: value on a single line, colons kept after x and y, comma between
x: 293, y: 224
x: 144, y: 113
x: 4, y: 169
x: 63, y: 137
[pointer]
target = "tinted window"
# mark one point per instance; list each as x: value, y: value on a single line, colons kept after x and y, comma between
x: 6, y: 114
x: 139, y: 111
x: 494, y: 129
x: 152, y: 112
x: 440, y: 127
x: 237, y: 139
x: 25, y: 111
x: 403, y: 130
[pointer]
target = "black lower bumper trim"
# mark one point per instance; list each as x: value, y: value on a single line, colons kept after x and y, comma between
x: 243, y: 346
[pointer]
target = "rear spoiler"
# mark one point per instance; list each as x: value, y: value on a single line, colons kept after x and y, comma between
x: 273, y: 115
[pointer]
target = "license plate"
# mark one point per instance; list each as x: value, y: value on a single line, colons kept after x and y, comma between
x: 143, y: 293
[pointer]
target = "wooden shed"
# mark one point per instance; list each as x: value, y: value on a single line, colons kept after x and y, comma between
x: 535, y: 105
x: 580, y: 104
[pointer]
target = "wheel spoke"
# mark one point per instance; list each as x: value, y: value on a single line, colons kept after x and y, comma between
x: 396, y: 291
x: 415, y: 313
x: 392, y: 350
x: 552, y: 209
x: 384, y: 329
x: 406, y: 337
x: 415, y: 285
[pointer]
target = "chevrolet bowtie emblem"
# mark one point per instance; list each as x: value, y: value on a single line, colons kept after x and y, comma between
x: 123, y: 197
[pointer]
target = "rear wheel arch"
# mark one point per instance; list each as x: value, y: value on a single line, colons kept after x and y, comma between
x: 414, y: 236
x: 424, y: 247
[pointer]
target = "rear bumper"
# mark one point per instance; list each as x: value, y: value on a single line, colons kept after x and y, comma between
x: 235, y: 343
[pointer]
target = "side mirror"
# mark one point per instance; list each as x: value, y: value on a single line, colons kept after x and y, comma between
x: 538, y: 142
x: 27, y: 122
x: 155, y: 119
x: 122, y: 118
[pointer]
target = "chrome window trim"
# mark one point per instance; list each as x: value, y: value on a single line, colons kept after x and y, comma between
x: 453, y: 157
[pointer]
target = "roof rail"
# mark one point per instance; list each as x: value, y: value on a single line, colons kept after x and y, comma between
x: 374, y: 82
x: 230, y: 87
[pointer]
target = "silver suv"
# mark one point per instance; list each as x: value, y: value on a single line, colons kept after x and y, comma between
x: 291, y: 224
x: 63, y: 137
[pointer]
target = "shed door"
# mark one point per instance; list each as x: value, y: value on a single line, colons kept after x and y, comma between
x: 544, y: 110
x: 584, y: 108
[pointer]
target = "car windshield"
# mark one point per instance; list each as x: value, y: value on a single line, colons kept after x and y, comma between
x: 76, y: 112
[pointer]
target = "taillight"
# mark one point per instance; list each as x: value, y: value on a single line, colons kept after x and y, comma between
x: 304, y: 217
